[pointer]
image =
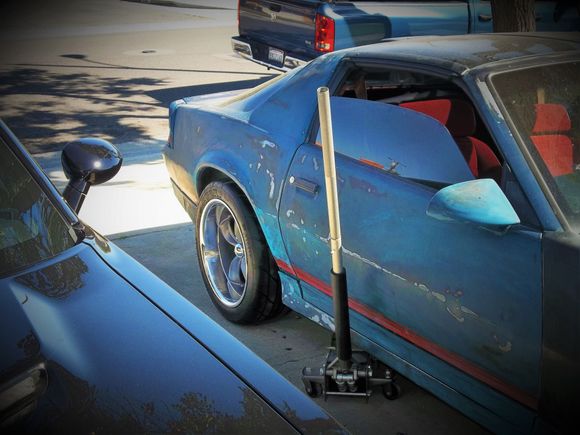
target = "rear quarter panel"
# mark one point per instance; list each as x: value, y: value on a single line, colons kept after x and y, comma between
x: 250, y: 140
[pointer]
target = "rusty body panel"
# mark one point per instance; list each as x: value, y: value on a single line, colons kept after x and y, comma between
x: 458, y: 296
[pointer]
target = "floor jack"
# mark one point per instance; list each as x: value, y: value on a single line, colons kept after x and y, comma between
x: 345, y: 372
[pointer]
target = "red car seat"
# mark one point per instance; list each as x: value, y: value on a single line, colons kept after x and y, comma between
x: 459, y: 118
x: 555, y: 148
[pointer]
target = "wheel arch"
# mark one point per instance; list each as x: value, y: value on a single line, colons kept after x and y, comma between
x: 267, y: 222
x: 210, y: 173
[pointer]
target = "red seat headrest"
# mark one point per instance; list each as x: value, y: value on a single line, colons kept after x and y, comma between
x: 457, y: 115
x: 557, y: 152
x: 551, y: 118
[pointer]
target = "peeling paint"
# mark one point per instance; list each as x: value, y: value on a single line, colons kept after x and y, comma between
x: 422, y: 287
x: 267, y: 143
x: 506, y: 348
x: 302, y: 221
x: 468, y: 311
x: 455, y: 309
x: 373, y: 264
x: 303, y: 159
x: 272, y: 184
x: 324, y: 320
x: 315, y: 162
x: 441, y: 297
x: 296, y: 227
x: 327, y: 320
x: 251, y: 166
x: 504, y: 345
x: 258, y: 166
x: 289, y: 213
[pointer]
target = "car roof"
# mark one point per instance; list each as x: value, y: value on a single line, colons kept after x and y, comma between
x: 460, y: 53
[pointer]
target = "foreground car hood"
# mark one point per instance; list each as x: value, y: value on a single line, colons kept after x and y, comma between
x: 304, y: 414
x: 114, y: 361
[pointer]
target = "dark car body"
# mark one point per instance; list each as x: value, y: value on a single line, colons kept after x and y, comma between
x: 473, y: 294
x: 92, y: 342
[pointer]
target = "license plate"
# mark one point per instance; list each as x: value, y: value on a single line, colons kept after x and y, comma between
x: 276, y: 55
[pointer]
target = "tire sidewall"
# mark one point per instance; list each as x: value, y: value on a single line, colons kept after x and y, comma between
x: 245, y: 311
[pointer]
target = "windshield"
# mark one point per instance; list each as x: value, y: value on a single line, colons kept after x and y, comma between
x: 544, y: 105
x: 31, y: 229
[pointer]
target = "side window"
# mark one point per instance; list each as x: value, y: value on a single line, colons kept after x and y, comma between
x: 399, y: 141
x: 401, y: 111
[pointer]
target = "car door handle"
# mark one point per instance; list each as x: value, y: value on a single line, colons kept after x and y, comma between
x: 306, y: 185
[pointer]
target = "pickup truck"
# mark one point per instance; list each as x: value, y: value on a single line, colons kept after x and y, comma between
x: 283, y: 34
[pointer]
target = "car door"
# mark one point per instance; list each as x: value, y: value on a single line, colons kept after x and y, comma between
x: 551, y: 15
x: 466, y: 293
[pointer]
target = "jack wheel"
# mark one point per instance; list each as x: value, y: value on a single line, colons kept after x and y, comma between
x: 314, y: 389
x: 391, y: 391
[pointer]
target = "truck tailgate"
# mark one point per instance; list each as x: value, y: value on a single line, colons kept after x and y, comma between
x: 284, y: 24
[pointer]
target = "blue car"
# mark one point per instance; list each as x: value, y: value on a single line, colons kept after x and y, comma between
x: 459, y: 191
x: 92, y: 342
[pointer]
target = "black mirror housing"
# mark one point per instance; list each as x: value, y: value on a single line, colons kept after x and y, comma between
x: 87, y: 162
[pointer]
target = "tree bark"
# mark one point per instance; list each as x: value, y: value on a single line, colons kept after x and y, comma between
x: 513, y: 15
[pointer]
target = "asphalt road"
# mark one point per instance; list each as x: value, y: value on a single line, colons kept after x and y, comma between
x: 109, y: 68
x: 70, y: 68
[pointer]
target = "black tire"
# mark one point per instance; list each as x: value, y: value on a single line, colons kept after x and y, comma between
x: 391, y: 391
x: 261, y: 297
x: 315, y: 390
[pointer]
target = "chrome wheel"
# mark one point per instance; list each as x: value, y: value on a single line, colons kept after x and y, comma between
x: 223, y: 253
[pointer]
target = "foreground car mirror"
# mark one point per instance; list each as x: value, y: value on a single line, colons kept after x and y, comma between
x: 87, y: 162
x: 478, y: 201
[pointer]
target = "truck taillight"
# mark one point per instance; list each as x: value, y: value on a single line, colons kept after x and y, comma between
x: 324, y: 34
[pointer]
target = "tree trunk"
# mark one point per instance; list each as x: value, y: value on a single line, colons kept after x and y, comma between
x: 513, y: 15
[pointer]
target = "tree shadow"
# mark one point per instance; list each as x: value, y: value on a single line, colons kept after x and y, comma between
x: 48, y: 109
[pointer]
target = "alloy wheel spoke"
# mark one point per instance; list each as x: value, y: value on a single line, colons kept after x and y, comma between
x: 235, y: 275
x: 223, y: 253
x: 226, y: 227
x: 236, y: 291
x: 237, y: 234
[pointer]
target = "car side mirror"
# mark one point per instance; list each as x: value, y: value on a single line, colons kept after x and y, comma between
x: 87, y: 162
x: 480, y: 202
